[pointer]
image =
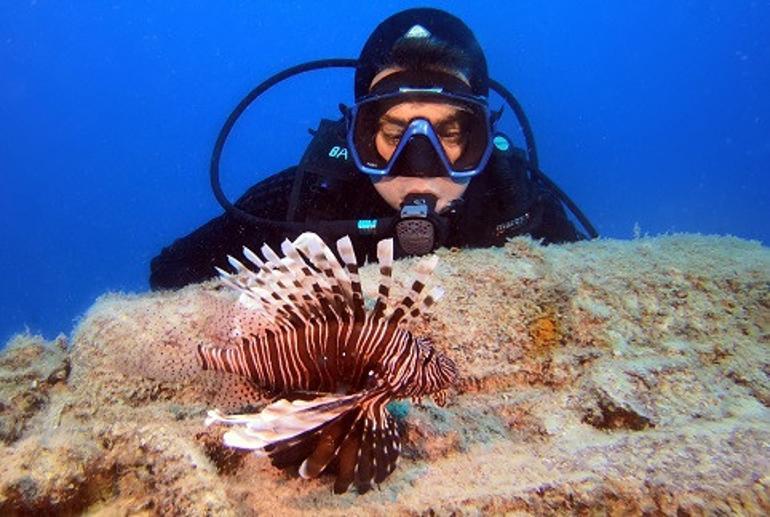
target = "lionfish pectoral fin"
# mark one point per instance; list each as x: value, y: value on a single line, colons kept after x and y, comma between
x: 362, y: 446
x: 386, y: 447
x: 369, y: 454
x: 326, y: 444
x: 282, y: 423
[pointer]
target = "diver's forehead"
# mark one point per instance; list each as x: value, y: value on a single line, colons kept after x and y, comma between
x: 431, y: 110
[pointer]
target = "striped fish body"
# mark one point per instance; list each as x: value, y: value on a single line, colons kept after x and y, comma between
x: 317, y: 355
x: 304, y: 331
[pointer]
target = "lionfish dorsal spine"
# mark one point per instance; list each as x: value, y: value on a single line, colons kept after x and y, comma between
x: 302, y: 281
x: 385, y: 261
x: 411, y: 305
x: 240, y: 268
x: 348, y: 255
x: 332, y: 286
x: 252, y: 257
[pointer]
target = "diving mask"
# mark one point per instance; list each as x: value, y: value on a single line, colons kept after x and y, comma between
x: 458, y: 145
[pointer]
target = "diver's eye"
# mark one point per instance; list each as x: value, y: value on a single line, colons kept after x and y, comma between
x: 391, y: 133
x: 392, y: 137
x: 452, y: 137
x: 452, y: 132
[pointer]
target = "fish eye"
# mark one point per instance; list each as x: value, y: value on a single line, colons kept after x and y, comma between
x: 430, y: 355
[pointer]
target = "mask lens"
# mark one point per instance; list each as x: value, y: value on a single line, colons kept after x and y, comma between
x: 461, y: 133
x: 475, y: 138
x: 366, y: 124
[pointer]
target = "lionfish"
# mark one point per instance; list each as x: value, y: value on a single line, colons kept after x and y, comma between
x: 305, y: 331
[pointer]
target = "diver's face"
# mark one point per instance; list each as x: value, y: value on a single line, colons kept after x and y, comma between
x: 444, y: 118
x: 446, y: 121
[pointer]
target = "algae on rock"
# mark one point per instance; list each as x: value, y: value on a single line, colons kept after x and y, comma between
x: 627, y: 376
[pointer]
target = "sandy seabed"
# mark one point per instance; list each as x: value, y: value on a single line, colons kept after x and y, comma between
x: 622, y: 377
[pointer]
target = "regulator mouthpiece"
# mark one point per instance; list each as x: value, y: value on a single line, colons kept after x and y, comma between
x: 415, y: 232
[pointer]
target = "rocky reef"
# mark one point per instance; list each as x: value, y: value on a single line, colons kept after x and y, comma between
x: 617, y: 376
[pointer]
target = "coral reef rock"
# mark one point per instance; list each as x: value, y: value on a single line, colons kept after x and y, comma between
x: 613, y: 376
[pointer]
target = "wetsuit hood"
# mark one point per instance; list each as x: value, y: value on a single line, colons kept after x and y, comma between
x: 414, y: 38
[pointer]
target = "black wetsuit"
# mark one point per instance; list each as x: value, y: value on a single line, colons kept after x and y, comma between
x: 503, y: 201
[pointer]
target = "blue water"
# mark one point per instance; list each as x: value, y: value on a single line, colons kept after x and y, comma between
x: 652, y: 113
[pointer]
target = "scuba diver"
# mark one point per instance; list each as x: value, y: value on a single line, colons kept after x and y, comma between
x: 416, y: 158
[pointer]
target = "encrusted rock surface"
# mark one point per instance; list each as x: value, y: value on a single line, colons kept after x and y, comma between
x: 617, y: 376
x: 30, y: 370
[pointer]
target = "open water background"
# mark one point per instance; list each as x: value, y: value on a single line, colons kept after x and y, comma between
x: 655, y: 114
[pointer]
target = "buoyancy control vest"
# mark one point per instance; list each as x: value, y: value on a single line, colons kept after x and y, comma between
x: 377, y: 226
x: 501, y: 202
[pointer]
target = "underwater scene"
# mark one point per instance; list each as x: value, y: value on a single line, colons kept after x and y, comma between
x: 404, y: 258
